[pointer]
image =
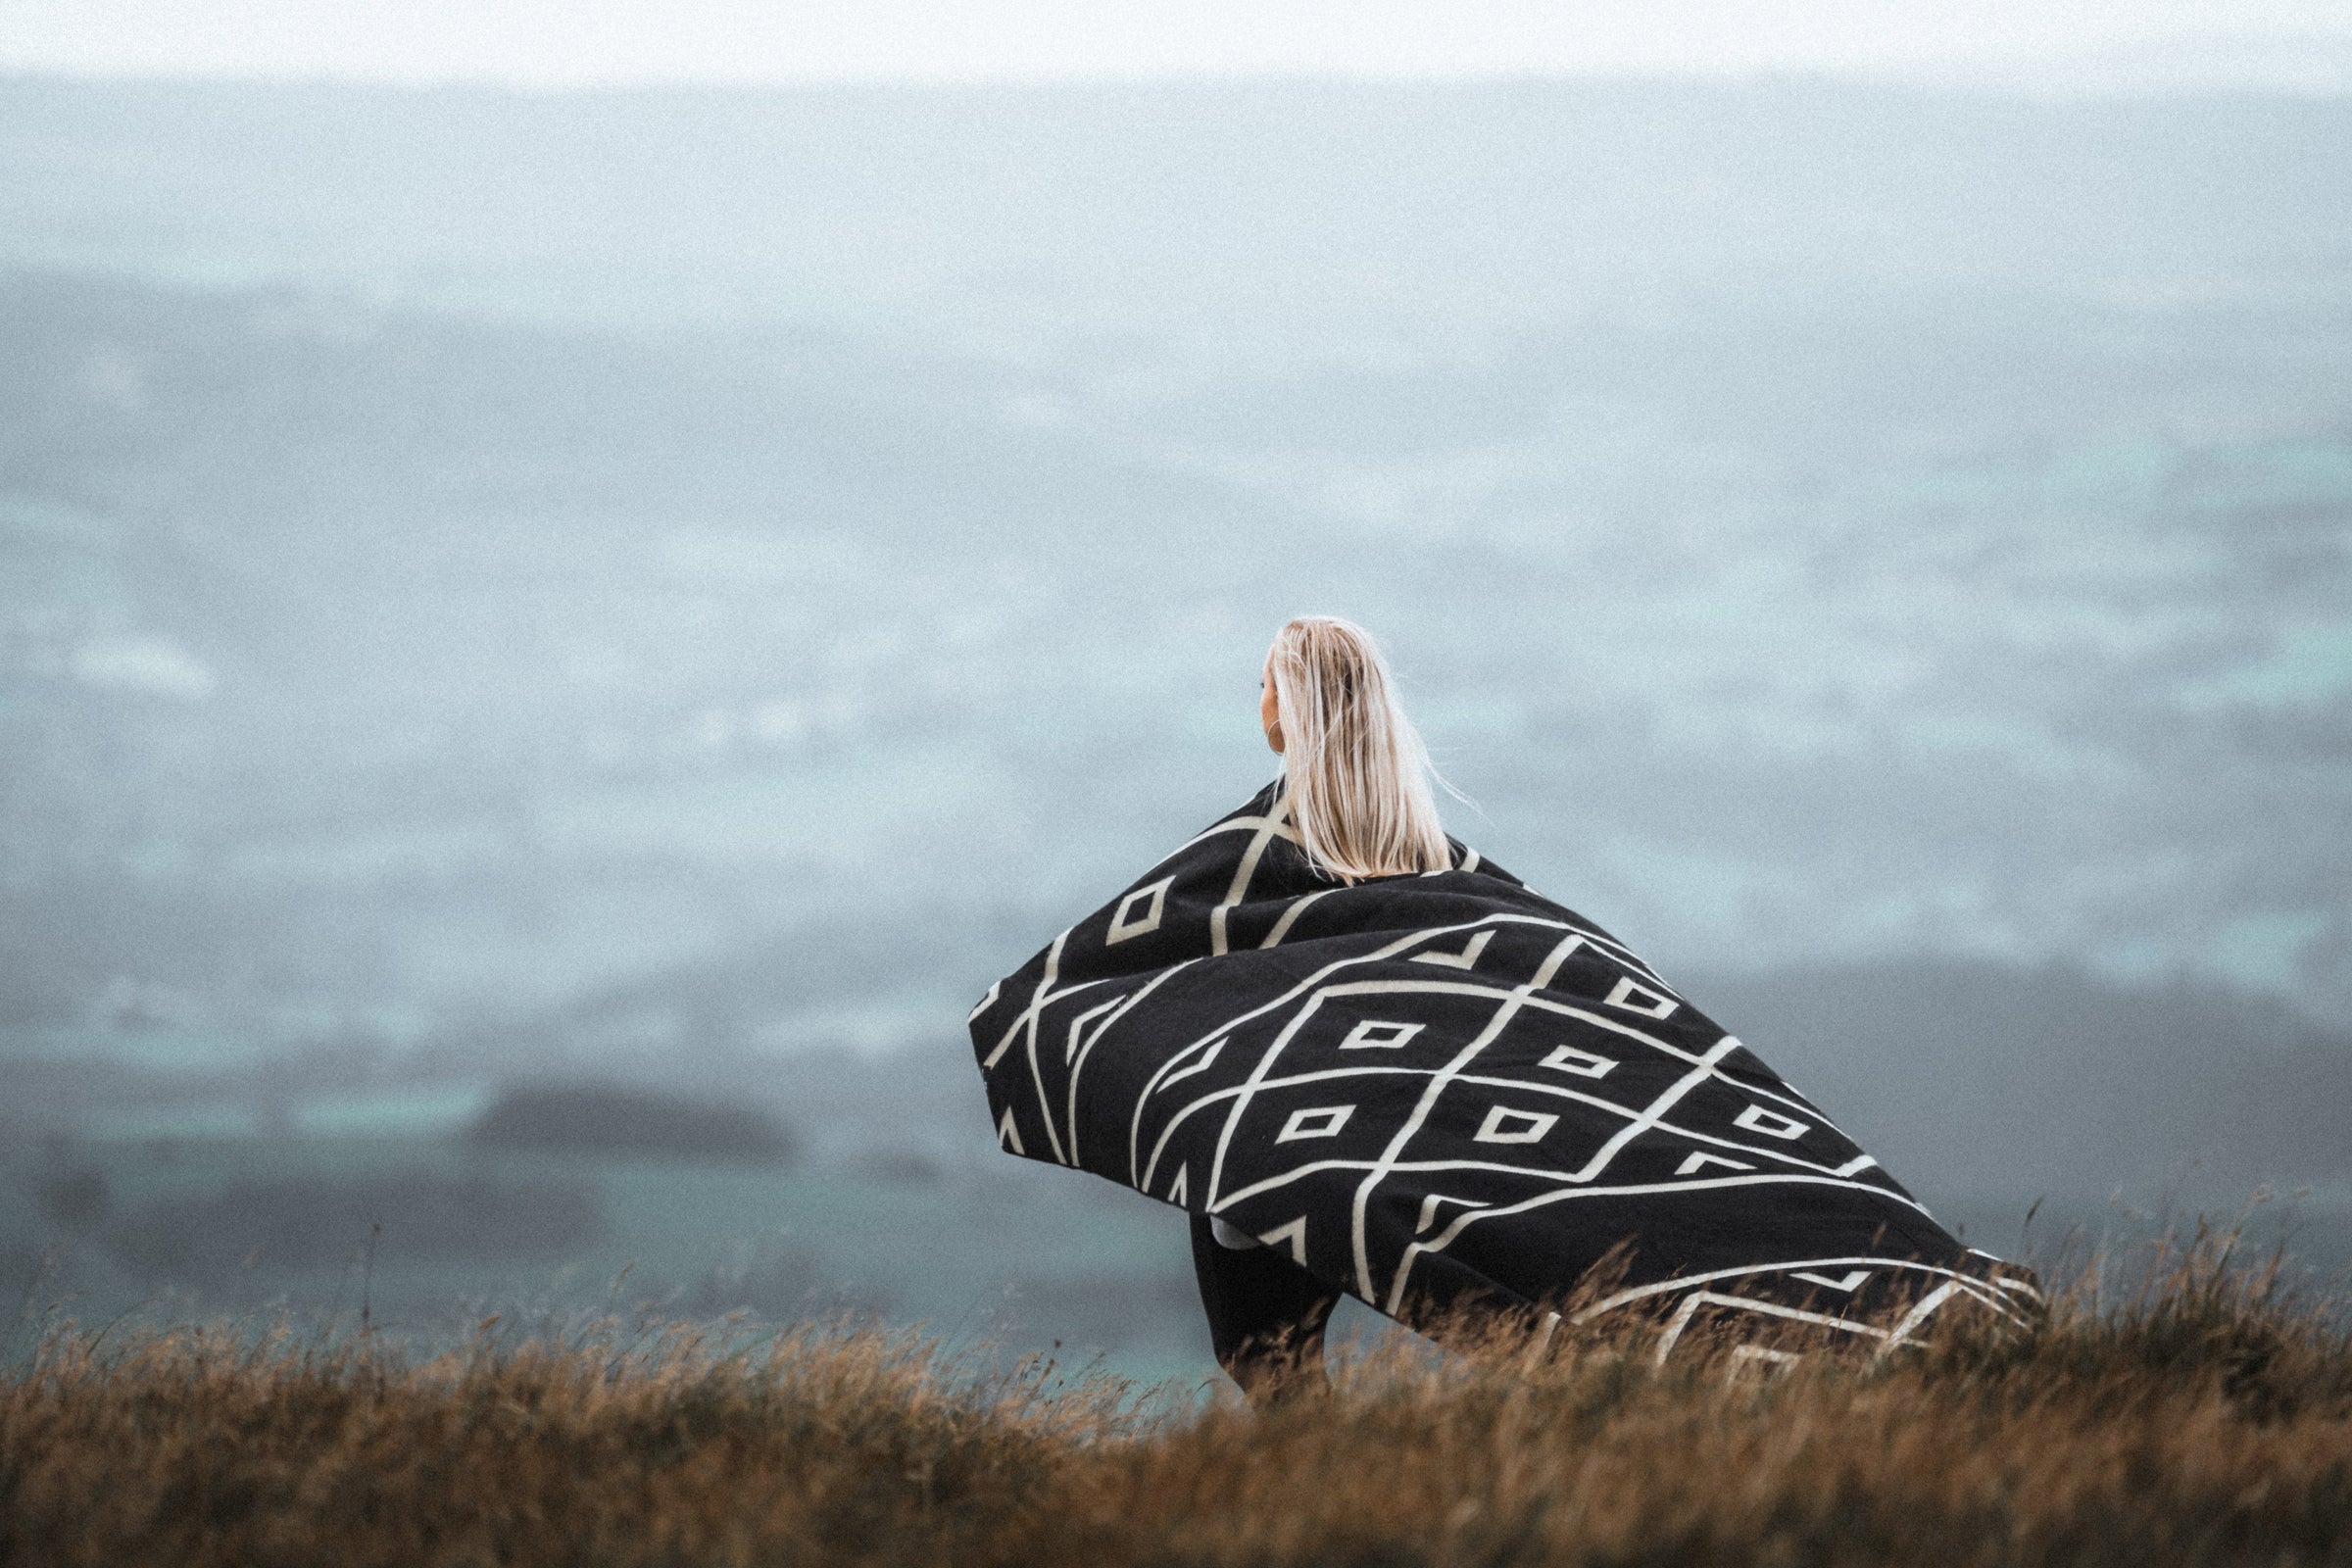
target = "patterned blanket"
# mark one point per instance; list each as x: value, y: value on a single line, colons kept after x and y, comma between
x: 1440, y: 1089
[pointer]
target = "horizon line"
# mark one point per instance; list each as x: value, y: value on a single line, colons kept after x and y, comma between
x: 1945, y: 78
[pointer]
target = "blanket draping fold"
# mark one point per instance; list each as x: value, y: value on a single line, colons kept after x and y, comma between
x: 1444, y: 1089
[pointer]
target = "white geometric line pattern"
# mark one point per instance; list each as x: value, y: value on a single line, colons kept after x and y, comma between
x: 1429, y: 1210
x: 1576, y: 1059
x: 1444, y: 1087
x: 1634, y: 997
x: 1314, y: 1121
x: 1844, y: 1283
x: 1128, y: 922
x: 1466, y: 959
x: 1771, y: 1124
x: 1374, y: 1034
x: 1504, y: 1125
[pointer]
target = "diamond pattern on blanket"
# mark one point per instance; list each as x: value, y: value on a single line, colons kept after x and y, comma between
x: 1443, y: 1088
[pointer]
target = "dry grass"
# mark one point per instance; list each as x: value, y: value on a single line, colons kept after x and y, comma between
x: 2205, y: 1419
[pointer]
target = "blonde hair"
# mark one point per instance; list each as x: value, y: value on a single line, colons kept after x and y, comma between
x: 1356, y: 774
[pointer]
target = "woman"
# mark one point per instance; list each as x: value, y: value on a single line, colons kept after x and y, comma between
x: 1365, y: 1060
x: 1357, y: 781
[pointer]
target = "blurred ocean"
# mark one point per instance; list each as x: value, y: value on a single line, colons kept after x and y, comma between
x: 689, y: 586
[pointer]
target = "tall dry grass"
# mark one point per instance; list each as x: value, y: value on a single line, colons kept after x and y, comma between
x: 2205, y: 1417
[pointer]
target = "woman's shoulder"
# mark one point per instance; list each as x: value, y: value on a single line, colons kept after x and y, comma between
x: 1466, y: 858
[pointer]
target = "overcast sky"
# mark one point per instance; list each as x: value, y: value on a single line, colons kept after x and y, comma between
x: 566, y: 41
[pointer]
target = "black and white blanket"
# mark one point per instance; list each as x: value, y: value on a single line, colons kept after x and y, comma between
x: 1444, y: 1087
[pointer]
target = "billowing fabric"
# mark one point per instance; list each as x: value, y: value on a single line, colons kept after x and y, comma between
x: 1444, y: 1087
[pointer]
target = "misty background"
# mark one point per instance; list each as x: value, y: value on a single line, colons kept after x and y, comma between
x: 552, y: 642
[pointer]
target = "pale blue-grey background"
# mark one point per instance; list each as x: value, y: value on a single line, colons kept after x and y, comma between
x: 680, y: 582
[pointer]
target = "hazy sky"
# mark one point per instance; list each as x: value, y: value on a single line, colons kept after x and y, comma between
x: 560, y: 41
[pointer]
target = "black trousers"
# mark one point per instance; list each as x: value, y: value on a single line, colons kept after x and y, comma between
x: 1266, y: 1314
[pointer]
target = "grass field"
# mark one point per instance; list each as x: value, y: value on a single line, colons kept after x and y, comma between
x: 2204, y: 1418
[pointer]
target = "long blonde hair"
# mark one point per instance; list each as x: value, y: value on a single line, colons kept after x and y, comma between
x: 1358, y: 775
